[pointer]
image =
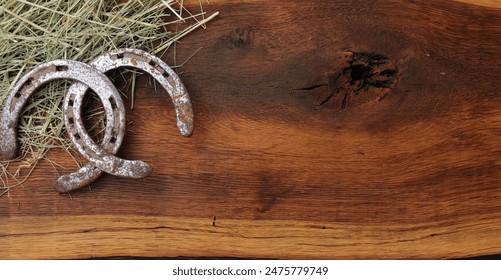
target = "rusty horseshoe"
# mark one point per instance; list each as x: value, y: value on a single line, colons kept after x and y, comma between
x: 54, y: 70
x: 114, y: 131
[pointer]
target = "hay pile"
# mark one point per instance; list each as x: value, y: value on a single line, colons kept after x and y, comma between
x: 36, y: 31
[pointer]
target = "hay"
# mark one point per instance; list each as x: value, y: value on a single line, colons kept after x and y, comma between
x: 36, y: 31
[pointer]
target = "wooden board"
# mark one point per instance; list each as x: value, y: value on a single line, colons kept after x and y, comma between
x: 324, y: 130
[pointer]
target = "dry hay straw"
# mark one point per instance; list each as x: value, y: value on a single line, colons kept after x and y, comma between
x: 36, y: 31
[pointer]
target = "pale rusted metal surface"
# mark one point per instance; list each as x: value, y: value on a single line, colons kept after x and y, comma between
x: 95, y: 80
x: 159, y: 70
x: 115, y: 116
x: 113, y: 131
x: 113, y: 136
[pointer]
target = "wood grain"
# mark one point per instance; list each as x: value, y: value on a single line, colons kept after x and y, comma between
x: 486, y: 3
x: 299, y: 148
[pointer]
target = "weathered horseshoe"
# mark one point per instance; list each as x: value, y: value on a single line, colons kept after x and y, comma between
x: 113, y: 138
x: 63, y: 69
x: 157, y: 68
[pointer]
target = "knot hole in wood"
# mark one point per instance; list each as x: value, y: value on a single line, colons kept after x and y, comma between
x: 369, y: 73
x: 361, y: 77
x: 240, y: 37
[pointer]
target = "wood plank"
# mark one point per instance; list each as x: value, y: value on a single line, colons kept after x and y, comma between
x: 293, y: 154
x: 91, y: 236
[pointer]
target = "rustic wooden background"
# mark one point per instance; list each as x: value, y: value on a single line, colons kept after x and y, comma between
x: 292, y: 155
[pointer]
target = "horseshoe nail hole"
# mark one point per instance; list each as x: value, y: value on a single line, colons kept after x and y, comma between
x: 113, y: 103
x: 70, y: 103
x: 113, y: 140
x: 23, y: 88
x: 71, y: 120
x: 28, y: 82
x: 60, y: 68
x: 120, y: 55
x: 166, y: 75
x: 77, y: 136
x: 152, y: 63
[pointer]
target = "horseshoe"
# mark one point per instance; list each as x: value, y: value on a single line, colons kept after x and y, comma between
x: 77, y: 71
x: 113, y: 138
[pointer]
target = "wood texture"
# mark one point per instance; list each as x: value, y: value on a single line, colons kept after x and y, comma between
x: 304, y: 146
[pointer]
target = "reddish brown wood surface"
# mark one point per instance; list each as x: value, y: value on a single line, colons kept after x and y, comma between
x: 292, y: 153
